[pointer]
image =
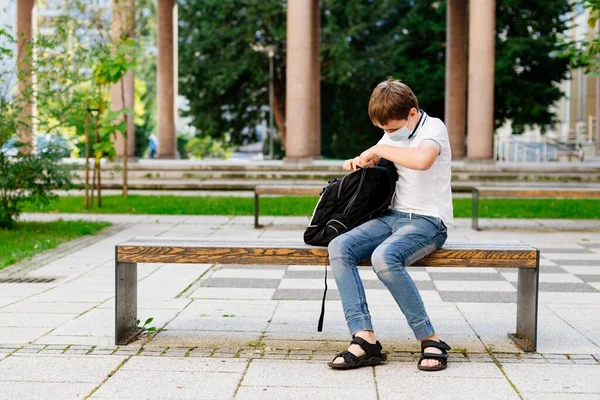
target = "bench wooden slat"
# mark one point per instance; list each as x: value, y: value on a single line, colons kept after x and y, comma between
x: 574, y: 193
x: 289, y: 190
x: 294, y: 243
x: 313, y: 190
x: 202, y: 251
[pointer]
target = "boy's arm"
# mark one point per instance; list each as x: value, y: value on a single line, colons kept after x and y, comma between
x: 421, y: 158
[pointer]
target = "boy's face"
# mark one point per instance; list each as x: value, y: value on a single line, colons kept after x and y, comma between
x: 395, y: 124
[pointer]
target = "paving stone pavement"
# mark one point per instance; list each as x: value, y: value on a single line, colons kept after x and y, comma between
x: 250, y: 332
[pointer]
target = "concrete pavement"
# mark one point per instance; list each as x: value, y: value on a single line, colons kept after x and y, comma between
x: 250, y: 332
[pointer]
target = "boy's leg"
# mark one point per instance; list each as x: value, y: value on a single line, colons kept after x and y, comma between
x: 345, y: 251
x: 413, y: 238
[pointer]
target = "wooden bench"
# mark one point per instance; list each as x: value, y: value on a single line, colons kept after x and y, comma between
x: 531, y: 192
x: 293, y: 252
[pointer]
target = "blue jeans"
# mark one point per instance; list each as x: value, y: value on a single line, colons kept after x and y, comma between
x: 393, y: 241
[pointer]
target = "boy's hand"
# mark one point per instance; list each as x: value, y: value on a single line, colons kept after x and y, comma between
x: 353, y: 163
x: 369, y: 157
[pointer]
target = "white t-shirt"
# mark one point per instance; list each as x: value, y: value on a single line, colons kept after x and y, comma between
x: 425, y: 192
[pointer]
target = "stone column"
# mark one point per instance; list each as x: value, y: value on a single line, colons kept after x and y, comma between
x: 123, y: 25
x: 480, y: 112
x: 456, y: 75
x: 316, y: 79
x: 303, y: 133
x: 597, y: 115
x: 167, y: 137
x: 26, y: 26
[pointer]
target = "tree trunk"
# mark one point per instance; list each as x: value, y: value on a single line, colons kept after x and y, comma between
x: 93, y: 184
x: 279, y: 107
x: 99, y: 184
x: 125, y: 150
x: 97, y: 162
x: 87, y: 156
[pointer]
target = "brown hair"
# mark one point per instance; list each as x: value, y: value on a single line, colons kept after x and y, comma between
x: 391, y: 99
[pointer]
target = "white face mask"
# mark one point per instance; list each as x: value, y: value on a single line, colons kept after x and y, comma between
x: 400, y: 134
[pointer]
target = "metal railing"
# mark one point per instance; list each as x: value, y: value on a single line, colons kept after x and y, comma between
x: 544, y: 149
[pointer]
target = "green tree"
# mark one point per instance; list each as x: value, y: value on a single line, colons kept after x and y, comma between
x: 145, y: 73
x: 586, y: 53
x: 362, y: 43
x: 225, y: 80
x: 104, y: 60
x: 530, y: 61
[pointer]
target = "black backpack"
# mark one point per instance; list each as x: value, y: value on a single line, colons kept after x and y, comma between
x: 350, y: 201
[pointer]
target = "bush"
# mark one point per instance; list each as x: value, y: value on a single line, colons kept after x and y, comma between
x: 207, y: 147
x: 278, y: 150
x: 182, y: 141
x: 30, y: 178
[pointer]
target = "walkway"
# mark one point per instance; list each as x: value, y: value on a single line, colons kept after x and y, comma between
x: 251, y: 332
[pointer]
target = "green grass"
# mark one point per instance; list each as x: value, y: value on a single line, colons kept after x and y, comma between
x: 29, y: 238
x: 174, y: 205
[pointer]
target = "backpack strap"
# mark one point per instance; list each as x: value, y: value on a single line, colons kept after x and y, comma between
x: 320, y: 326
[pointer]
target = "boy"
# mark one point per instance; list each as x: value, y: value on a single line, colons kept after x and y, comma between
x: 413, y: 227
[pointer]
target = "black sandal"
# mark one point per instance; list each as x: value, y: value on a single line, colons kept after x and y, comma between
x: 373, y: 356
x: 442, y: 358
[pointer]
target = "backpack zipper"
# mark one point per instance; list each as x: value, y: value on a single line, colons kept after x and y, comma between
x: 353, y: 199
x: 339, y: 193
x: 342, y: 182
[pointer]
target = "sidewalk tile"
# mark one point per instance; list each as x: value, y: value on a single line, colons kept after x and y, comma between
x: 150, y: 383
x: 302, y: 374
x: 45, y: 390
x: 555, y: 356
x: 554, y: 361
x: 61, y: 368
x: 458, y: 381
x: 555, y: 378
x: 19, y: 336
x: 301, y: 393
x: 581, y: 357
x: 233, y: 293
x: 535, y: 361
x: 586, y: 362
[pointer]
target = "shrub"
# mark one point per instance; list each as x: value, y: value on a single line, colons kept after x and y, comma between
x: 207, y: 147
x: 30, y: 178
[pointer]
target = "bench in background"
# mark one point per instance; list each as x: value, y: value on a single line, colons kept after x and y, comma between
x: 520, y: 192
x: 306, y: 190
x: 284, y: 190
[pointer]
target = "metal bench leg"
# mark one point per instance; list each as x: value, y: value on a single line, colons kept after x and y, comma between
x: 256, y: 224
x: 475, y: 210
x: 527, y: 309
x: 125, y: 302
